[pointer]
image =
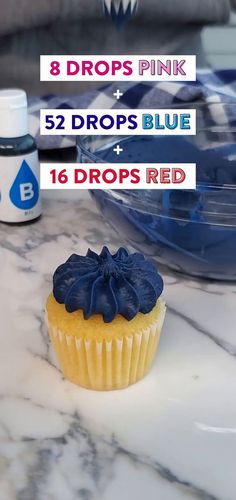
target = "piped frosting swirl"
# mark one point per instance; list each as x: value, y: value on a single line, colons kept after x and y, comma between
x: 107, y: 284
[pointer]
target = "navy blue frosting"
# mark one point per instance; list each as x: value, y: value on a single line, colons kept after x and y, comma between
x: 108, y: 284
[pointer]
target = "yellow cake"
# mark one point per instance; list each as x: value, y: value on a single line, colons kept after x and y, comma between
x: 97, y: 346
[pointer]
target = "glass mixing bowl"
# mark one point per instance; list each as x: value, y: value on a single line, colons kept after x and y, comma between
x: 193, y: 232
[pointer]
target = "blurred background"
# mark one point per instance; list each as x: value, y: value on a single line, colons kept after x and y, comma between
x: 206, y: 28
x: 219, y: 44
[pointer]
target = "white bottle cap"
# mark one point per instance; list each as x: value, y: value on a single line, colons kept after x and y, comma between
x: 13, y: 113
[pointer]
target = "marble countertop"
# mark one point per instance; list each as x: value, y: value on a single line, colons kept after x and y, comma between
x: 172, y: 436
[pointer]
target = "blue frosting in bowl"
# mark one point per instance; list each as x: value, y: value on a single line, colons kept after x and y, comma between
x: 191, y: 231
x: 107, y: 284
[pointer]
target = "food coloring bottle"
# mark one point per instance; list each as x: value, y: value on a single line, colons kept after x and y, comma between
x: 19, y: 164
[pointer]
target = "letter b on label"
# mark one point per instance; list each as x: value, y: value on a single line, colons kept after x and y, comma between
x: 26, y: 191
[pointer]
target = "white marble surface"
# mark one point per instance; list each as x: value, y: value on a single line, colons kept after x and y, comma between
x: 170, y: 437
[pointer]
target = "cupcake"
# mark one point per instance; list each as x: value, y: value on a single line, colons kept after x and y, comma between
x: 105, y: 317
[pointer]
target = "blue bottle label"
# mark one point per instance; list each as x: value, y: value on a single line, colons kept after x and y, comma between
x: 19, y: 188
x: 24, y: 192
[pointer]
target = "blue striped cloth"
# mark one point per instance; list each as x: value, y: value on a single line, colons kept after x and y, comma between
x: 213, y: 94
